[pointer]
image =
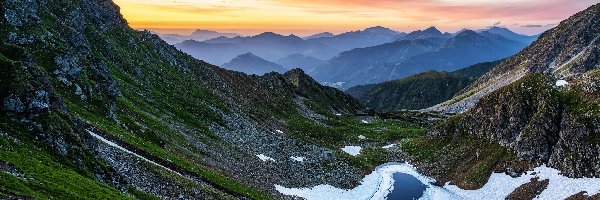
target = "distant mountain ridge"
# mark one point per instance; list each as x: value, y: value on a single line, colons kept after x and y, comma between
x: 251, y: 64
x: 431, y: 32
x: 273, y: 46
x: 407, y: 57
x: 306, y: 63
x: 197, y: 35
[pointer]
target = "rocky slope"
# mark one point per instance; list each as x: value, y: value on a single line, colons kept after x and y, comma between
x: 71, y: 68
x: 524, y: 104
x: 569, y: 50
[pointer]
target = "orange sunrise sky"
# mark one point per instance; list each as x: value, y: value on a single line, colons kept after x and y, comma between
x: 311, y: 16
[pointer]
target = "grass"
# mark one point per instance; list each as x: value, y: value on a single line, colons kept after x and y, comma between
x: 45, y: 177
x: 466, y: 161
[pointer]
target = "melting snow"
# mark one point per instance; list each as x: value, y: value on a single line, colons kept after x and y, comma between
x: 559, y: 187
x: 561, y: 83
x: 352, y: 150
x: 376, y: 185
x: 279, y: 131
x: 362, y: 137
x: 380, y: 183
x: 389, y: 146
x: 265, y: 158
x: 338, y: 114
x: 365, y: 121
x: 297, y: 158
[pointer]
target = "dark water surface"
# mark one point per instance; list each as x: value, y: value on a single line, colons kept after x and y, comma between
x: 406, y: 187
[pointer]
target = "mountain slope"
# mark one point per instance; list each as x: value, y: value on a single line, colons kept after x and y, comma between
x: 523, y: 105
x: 414, y: 92
x: 252, y: 64
x: 76, y: 75
x: 418, y: 91
x: 567, y: 50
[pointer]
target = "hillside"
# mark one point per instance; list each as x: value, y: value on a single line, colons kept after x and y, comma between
x: 252, y: 64
x: 418, y: 91
x: 92, y: 109
x: 541, y: 104
x: 568, y: 50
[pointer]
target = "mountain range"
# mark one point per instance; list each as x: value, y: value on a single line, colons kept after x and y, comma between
x: 93, y: 109
x: 407, y: 57
x: 273, y: 47
x: 197, y: 35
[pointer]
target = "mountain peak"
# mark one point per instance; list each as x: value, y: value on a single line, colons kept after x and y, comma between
x: 379, y: 29
x: 268, y: 34
x: 320, y: 35
x: 432, y: 29
x: 466, y: 32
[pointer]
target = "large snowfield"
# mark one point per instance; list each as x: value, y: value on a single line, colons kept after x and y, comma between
x: 380, y: 183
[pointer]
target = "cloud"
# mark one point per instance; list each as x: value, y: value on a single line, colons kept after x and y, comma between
x: 532, y: 26
x: 497, y: 23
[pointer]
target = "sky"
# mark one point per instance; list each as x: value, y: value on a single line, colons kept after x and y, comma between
x: 305, y: 17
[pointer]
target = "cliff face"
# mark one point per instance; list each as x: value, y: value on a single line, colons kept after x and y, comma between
x: 542, y: 103
x: 541, y: 122
x: 69, y: 67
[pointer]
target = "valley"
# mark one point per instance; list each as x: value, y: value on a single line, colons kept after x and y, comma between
x: 92, y: 108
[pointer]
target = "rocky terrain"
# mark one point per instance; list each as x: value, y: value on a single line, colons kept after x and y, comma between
x: 550, y: 115
x: 74, y: 67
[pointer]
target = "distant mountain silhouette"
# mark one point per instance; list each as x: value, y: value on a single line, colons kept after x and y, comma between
x: 306, y: 63
x: 320, y: 35
x: 273, y: 46
x: 508, y: 34
x: 198, y: 35
x: 430, y: 32
x: 252, y: 64
x: 407, y: 57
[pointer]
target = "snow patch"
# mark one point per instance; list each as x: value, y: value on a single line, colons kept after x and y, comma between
x: 338, y: 114
x: 561, y: 83
x: 380, y: 183
x: 279, y: 131
x: 265, y: 158
x: 376, y: 185
x: 389, y: 146
x: 362, y: 137
x: 365, y: 121
x: 298, y: 159
x: 352, y: 150
x: 501, y: 185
